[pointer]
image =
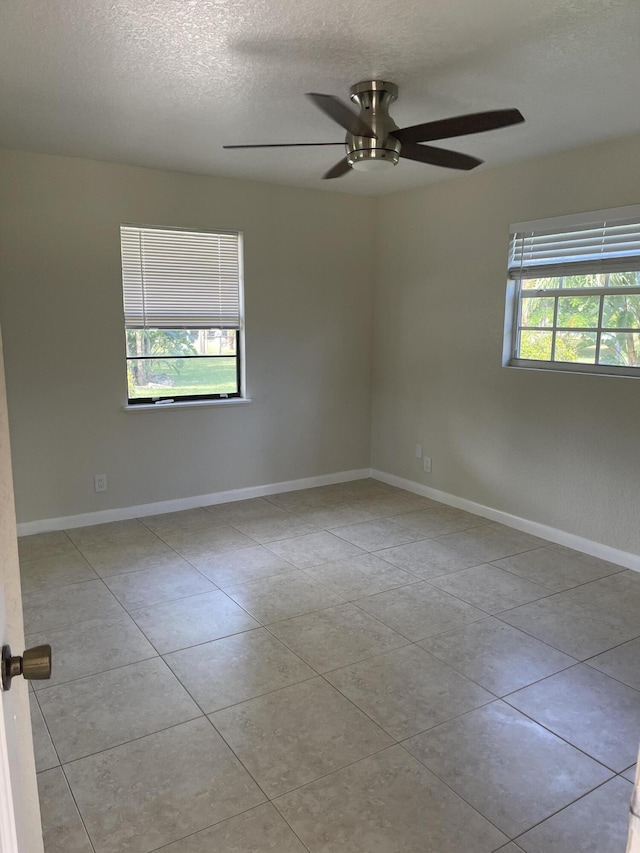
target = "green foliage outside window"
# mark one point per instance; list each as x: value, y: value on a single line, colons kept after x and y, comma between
x: 570, y: 319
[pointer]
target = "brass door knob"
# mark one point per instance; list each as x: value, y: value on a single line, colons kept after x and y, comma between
x: 34, y: 664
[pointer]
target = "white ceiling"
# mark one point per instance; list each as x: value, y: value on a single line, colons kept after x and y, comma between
x: 164, y: 83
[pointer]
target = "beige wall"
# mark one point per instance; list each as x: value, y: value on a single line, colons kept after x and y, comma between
x: 559, y: 449
x: 308, y: 268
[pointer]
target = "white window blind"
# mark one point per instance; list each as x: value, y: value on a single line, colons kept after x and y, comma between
x: 609, y: 242
x: 180, y: 279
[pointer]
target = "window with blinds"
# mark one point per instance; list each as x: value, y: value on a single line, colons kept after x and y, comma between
x: 575, y: 293
x: 182, y: 293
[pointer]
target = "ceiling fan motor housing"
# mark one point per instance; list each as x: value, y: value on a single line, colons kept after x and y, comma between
x: 374, y: 97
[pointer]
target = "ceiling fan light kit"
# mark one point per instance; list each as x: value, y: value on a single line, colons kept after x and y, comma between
x: 375, y: 142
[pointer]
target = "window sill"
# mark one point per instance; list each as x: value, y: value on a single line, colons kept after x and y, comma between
x: 575, y: 368
x: 187, y: 404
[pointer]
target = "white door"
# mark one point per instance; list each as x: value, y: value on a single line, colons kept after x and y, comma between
x: 20, y: 828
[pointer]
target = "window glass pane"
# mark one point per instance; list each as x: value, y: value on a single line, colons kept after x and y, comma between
x: 578, y: 311
x: 624, y: 279
x: 537, y: 311
x: 621, y: 312
x: 179, y: 377
x: 620, y: 348
x: 576, y: 347
x: 591, y: 280
x: 536, y: 345
x: 181, y: 342
x: 541, y: 283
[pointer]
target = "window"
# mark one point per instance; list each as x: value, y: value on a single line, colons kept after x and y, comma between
x: 575, y: 293
x: 183, y: 313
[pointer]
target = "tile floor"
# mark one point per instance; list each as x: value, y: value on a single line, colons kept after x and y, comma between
x: 347, y: 669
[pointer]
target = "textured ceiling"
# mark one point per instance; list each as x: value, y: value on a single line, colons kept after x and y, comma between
x: 164, y: 83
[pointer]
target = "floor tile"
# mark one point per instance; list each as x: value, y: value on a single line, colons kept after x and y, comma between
x: 189, y: 621
x: 314, y: 549
x: 616, y: 596
x: 420, y: 610
x: 125, y: 557
x: 243, y: 510
x: 578, y: 630
x: 260, y: 830
x: 297, y: 734
x: 184, y: 520
x: 490, y: 588
x: 283, y: 596
x: 497, y: 656
x: 270, y: 529
x: 630, y: 774
x: 336, y: 636
x: 89, y: 647
x: 306, y: 498
x: 428, y: 558
x: 131, y: 531
x: 342, y: 608
x: 201, y: 543
x: 366, y: 488
x: 247, y: 564
x: 490, y: 542
x: 101, y: 711
x: 360, y: 576
x: 237, y: 668
x: 511, y: 770
x: 407, y: 690
x: 374, y: 535
x: 154, y: 586
x: 622, y: 663
x: 578, y: 705
x: 598, y: 823
x: 45, y: 754
x: 438, y: 520
x: 67, y: 605
x: 40, y: 546
x: 55, y: 571
x: 330, y: 517
x: 62, y: 827
x: 388, y: 803
x: 398, y: 503
x: 160, y: 788
x: 557, y: 567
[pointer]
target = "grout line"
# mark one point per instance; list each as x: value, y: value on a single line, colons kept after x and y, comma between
x: 46, y: 687
x: 268, y: 804
x: 564, y: 808
x: 457, y: 793
x: 75, y: 802
x: 599, y: 761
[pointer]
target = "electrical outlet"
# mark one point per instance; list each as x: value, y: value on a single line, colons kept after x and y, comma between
x: 100, y: 482
x: 427, y: 464
x: 418, y: 451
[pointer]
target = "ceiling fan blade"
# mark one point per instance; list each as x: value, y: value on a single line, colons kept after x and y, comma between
x: 285, y: 145
x: 341, y: 168
x: 458, y: 126
x: 438, y: 156
x: 342, y: 114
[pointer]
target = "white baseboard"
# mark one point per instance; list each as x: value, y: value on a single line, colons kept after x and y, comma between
x: 25, y: 528
x: 553, y: 534
x: 560, y: 537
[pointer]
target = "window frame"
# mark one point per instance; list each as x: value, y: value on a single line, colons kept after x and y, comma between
x: 516, y: 293
x: 167, y: 399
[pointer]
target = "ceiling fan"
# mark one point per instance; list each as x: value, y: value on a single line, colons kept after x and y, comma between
x: 374, y: 140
